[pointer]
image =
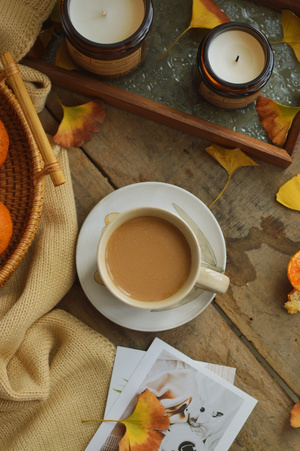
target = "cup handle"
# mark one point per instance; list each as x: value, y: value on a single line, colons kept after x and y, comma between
x: 212, y: 281
x: 110, y: 217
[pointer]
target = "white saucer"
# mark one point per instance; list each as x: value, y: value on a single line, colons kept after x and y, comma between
x: 156, y: 194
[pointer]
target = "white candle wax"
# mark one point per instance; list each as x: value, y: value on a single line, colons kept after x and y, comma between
x: 106, y: 21
x: 236, y: 56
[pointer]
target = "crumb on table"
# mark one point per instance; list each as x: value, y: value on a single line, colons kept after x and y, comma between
x: 293, y: 303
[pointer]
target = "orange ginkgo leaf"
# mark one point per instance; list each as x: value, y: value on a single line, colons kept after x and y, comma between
x: 231, y: 160
x: 295, y: 416
x: 289, y: 193
x: 291, y: 31
x: 205, y: 14
x: 275, y: 118
x: 144, y: 426
x: 79, y: 123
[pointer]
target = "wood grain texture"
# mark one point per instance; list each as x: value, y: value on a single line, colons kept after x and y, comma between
x: 206, y: 338
x: 260, y: 233
x: 260, y: 236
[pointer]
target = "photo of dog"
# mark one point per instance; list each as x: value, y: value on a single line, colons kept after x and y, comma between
x: 198, y: 414
x: 187, y: 431
x: 192, y: 401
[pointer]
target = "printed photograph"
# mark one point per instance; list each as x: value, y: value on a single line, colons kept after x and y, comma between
x: 204, y: 411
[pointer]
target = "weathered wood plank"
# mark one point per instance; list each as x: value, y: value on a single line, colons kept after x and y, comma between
x: 260, y: 233
x: 130, y: 149
x: 206, y: 338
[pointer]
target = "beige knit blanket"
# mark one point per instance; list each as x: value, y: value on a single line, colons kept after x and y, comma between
x: 54, y: 370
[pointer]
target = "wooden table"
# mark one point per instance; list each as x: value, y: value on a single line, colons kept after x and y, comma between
x: 247, y: 327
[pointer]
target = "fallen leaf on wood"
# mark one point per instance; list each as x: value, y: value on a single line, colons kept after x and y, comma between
x: 289, y: 193
x: 231, y: 160
x: 275, y: 118
x: 79, y: 123
x: 205, y: 14
x: 291, y: 31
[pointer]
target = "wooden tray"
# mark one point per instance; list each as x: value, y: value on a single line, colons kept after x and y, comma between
x: 89, y: 86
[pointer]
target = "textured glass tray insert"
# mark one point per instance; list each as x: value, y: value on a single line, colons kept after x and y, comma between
x: 174, y: 80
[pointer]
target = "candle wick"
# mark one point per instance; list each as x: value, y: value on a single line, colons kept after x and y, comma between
x: 237, y: 58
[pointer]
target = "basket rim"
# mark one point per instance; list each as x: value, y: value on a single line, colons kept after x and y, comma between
x: 38, y: 186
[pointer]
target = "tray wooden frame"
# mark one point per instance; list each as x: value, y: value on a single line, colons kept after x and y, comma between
x: 91, y: 87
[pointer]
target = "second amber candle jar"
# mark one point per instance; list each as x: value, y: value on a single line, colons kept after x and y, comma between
x: 235, y: 61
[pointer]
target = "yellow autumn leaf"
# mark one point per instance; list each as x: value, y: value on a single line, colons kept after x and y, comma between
x: 231, y: 160
x: 79, y: 123
x: 205, y: 14
x: 295, y: 416
x: 289, y: 193
x: 291, y: 31
x: 275, y: 118
x: 144, y: 425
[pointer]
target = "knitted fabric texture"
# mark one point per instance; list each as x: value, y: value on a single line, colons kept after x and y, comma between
x: 54, y: 370
x: 20, y: 24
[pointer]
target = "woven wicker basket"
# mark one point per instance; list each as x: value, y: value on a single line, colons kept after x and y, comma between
x: 30, y: 158
x: 20, y: 190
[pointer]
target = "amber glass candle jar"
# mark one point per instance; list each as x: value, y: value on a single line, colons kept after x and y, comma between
x: 235, y: 61
x: 107, y: 37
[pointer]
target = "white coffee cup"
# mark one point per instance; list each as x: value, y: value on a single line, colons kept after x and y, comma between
x: 198, y: 275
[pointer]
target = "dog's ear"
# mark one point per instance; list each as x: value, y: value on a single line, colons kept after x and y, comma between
x: 217, y: 414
